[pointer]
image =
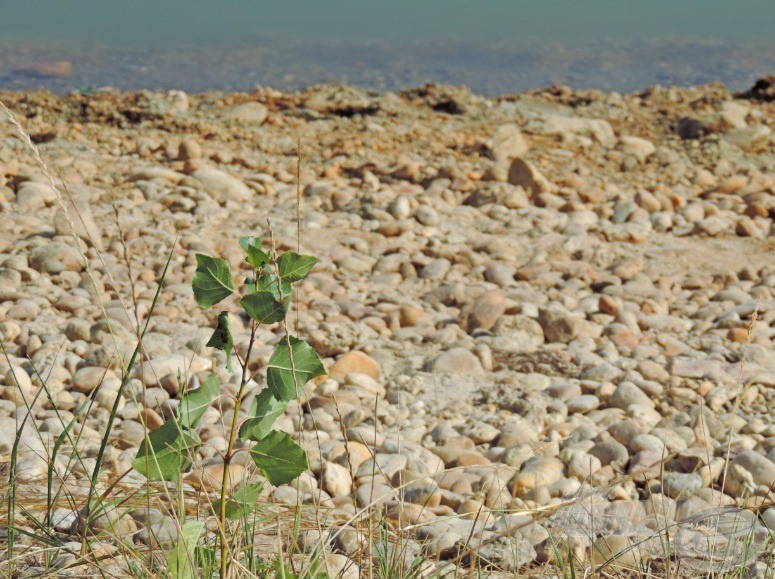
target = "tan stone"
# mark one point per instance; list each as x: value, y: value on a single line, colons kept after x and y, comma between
x: 336, y: 480
x: 355, y: 361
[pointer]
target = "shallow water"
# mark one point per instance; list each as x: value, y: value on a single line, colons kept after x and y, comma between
x: 494, y: 46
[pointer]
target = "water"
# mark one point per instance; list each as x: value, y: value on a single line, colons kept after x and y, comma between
x: 493, y: 46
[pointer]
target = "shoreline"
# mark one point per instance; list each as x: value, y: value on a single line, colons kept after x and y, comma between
x: 293, y: 65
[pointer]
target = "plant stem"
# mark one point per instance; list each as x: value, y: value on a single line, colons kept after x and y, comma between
x: 230, y: 452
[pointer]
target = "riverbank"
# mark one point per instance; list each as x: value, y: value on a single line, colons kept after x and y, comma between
x: 547, y: 317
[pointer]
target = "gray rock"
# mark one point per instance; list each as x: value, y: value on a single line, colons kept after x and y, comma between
x: 677, y: 484
x: 63, y: 519
x: 604, y: 372
x: 419, y: 459
x: 582, y: 404
x: 436, y: 269
x: 223, y: 187
x: 748, y: 471
x: 160, y: 534
x: 56, y: 257
x: 627, y: 394
x: 456, y: 360
x: 374, y: 494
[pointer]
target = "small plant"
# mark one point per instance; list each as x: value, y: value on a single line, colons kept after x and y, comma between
x: 167, y: 451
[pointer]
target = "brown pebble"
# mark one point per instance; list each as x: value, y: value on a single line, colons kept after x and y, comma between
x: 355, y: 361
x: 610, y: 305
x: 467, y: 459
x: 625, y: 338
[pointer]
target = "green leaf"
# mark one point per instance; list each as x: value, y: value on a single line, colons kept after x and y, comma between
x: 180, y: 561
x: 279, y: 458
x: 264, y: 410
x: 255, y: 256
x: 242, y: 502
x: 212, y: 281
x: 166, y: 453
x: 293, y: 267
x: 264, y: 308
x: 283, y: 290
x: 222, y: 339
x: 284, y: 377
x: 194, y: 404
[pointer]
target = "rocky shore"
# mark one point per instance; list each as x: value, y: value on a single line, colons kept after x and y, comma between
x: 547, y: 317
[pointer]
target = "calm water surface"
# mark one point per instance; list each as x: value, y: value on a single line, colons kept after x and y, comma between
x: 494, y: 46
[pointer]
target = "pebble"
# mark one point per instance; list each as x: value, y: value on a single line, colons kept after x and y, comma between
x: 559, y: 325
x: 162, y: 534
x: 627, y: 394
x: 222, y: 186
x: 538, y: 471
x: 523, y: 174
x: 56, y: 257
x: 86, y: 380
x: 189, y: 149
x: 619, y: 553
x: 253, y: 113
x: 640, y: 148
x: 336, y: 480
x: 677, y: 484
x: 582, y: 403
x: 457, y: 360
x: 355, y: 362
x: 482, y: 313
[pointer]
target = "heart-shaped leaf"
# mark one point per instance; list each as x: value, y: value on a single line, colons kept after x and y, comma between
x: 263, y: 307
x: 264, y: 410
x: 212, y: 281
x: 279, y: 458
x: 255, y: 256
x: 293, y: 267
x: 281, y: 291
x: 193, y: 405
x: 292, y: 367
x: 166, y: 453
